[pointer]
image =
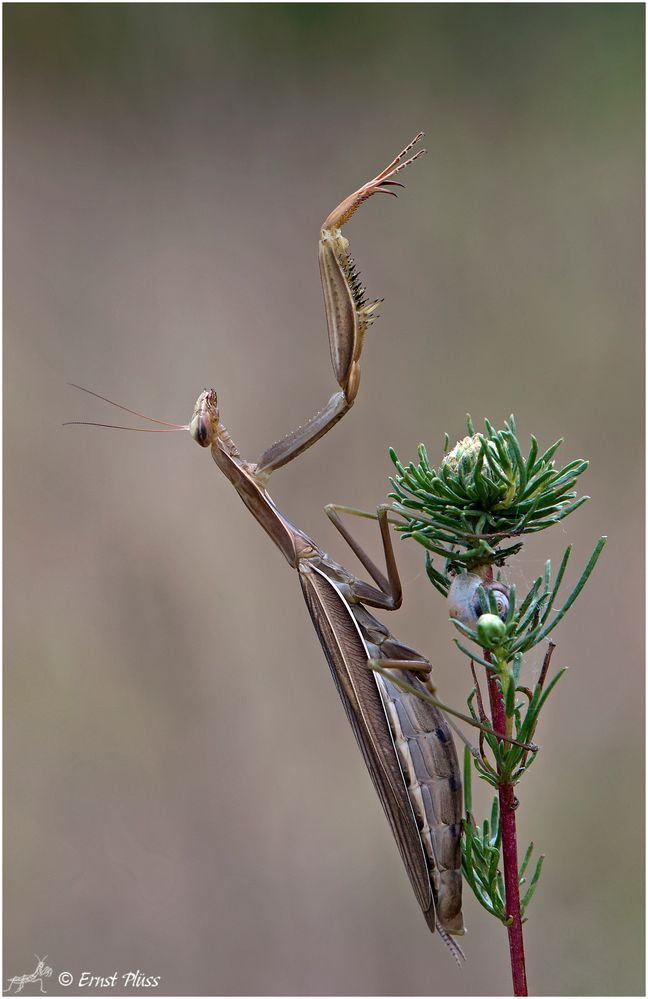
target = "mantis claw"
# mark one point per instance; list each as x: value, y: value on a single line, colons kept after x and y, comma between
x: 348, y: 316
x: 346, y: 208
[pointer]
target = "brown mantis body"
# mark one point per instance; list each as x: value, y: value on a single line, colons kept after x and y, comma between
x: 405, y: 741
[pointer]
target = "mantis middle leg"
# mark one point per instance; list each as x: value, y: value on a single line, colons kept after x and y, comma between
x: 388, y: 595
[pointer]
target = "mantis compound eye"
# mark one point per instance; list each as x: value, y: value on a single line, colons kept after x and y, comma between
x: 465, y: 601
x: 200, y: 430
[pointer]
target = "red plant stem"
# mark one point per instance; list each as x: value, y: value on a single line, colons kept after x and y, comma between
x: 508, y: 804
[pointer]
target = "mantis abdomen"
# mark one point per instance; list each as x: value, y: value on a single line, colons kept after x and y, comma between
x: 405, y: 742
x: 431, y: 770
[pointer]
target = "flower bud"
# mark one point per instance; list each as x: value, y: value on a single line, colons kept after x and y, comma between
x: 491, y: 631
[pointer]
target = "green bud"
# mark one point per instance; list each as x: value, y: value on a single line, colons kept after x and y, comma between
x: 491, y: 631
x: 468, y: 447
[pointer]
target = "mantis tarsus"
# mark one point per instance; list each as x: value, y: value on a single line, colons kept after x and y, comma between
x: 406, y: 742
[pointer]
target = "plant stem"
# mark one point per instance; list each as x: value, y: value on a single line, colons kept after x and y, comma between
x: 508, y: 804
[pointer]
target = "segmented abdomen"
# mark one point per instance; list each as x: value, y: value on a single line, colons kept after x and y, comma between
x: 431, y: 769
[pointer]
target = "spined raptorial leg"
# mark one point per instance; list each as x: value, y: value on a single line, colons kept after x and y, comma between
x: 348, y: 315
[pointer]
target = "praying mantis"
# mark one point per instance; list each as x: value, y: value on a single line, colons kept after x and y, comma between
x: 405, y: 741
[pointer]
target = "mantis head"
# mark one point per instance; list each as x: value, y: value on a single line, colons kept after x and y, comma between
x: 205, y: 421
x: 205, y: 426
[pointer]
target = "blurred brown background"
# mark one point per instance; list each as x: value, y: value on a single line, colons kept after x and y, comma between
x: 183, y: 792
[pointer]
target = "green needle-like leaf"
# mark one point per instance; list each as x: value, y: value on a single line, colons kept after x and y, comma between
x: 526, y: 898
x: 575, y: 592
x: 485, y: 491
